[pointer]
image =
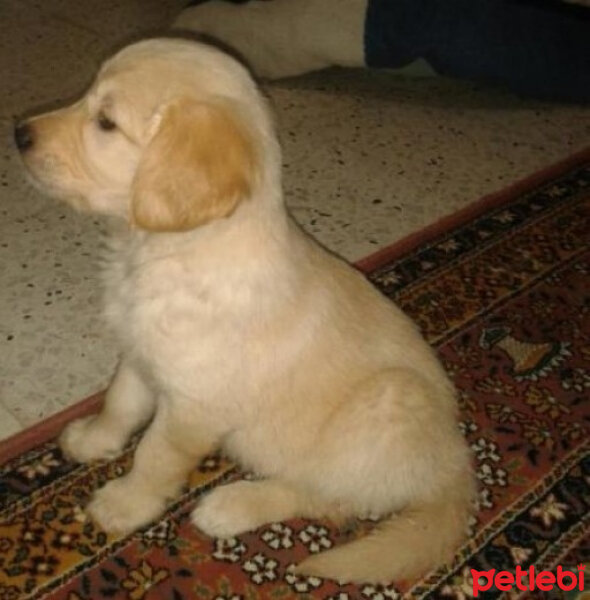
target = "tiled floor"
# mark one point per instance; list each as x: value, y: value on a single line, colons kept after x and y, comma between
x: 369, y: 158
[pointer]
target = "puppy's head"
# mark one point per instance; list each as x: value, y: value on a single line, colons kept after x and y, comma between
x: 170, y: 136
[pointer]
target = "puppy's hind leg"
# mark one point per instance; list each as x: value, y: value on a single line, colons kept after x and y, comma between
x: 129, y: 404
x: 395, y: 447
x: 232, y: 509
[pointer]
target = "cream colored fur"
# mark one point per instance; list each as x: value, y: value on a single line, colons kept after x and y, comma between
x: 282, y: 38
x: 238, y: 331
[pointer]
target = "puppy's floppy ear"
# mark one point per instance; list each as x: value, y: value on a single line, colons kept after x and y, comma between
x: 199, y: 165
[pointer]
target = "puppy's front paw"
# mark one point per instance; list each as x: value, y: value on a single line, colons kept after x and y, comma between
x: 228, y: 511
x: 121, y: 507
x: 86, y: 440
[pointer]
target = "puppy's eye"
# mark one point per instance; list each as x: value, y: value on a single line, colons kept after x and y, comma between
x: 105, y: 123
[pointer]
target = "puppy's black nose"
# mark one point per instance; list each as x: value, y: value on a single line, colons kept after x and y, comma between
x: 23, y: 136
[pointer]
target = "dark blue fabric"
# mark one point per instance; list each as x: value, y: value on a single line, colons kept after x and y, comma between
x: 537, y: 48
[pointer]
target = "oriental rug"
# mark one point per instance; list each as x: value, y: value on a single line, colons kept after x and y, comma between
x: 502, y: 290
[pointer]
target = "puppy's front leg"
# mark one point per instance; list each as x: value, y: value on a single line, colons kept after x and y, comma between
x: 164, y: 458
x: 128, y: 406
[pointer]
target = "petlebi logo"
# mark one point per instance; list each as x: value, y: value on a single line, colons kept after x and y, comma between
x: 528, y: 580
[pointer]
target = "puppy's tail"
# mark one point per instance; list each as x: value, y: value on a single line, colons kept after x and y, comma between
x: 409, y: 544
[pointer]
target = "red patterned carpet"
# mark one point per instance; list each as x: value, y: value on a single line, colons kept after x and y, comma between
x: 503, y: 291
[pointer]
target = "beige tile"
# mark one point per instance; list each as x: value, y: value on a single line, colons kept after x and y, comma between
x: 114, y: 20
x: 41, y: 59
x: 371, y: 157
x: 8, y: 423
x: 49, y: 51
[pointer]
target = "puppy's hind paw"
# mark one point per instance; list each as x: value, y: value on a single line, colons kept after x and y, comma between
x: 229, y: 510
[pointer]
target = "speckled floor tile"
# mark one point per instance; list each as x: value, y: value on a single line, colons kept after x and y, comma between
x: 8, y: 424
x: 369, y: 158
x: 50, y: 50
x: 31, y: 62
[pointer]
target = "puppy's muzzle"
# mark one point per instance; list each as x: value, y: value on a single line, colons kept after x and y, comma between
x: 23, y: 136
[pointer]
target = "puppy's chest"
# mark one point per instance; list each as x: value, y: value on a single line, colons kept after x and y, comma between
x: 158, y: 310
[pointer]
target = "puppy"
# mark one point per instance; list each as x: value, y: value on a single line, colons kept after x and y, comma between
x: 239, y: 332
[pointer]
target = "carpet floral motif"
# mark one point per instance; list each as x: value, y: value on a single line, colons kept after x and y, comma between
x: 505, y: 299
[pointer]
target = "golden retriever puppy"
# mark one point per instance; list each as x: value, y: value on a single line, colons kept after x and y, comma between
x: 239, y: 332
